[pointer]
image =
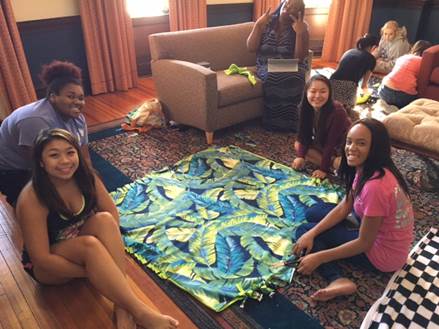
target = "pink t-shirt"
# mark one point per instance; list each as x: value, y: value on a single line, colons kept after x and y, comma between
x: 404, y: 75
x: 383, y: 197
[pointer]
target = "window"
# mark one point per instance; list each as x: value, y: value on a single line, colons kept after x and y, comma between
x: 146, y: 8
x: 317, y: 3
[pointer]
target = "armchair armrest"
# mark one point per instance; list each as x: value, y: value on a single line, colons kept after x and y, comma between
x: 187, y: 91
x: 430, y: 60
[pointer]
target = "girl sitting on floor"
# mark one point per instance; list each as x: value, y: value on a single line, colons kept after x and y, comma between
x: 70, y: 229
x: 323, y: 124
x: 393, y: 44
x: 377, y: 196
x: 400, y: 86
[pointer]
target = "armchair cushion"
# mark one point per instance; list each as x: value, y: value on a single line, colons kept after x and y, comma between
x: 416, y: 124
x: 435, y: 76
x: 428, y: 86
x: 236, y: 88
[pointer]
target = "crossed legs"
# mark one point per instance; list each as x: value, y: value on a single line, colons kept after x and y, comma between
x: 331, y: 238
x: 99, y: 250
x: 315, y: 156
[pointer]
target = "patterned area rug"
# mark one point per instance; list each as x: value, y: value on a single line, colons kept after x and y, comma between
x: 135, y: 155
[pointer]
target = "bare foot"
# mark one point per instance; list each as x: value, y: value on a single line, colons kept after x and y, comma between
x: 153, y: 320
x: 124, y: 320
x: 339, y: 287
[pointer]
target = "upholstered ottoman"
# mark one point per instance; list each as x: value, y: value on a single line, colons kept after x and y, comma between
x: 416, y: 124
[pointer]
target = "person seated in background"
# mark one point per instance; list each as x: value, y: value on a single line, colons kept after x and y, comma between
x: 393, y: 44
x: 282, y: 35
x: 323, y: 126
x: 355, y: 65
x: 399, y: 87
x: 70, y: 229
x: 61, y: 108
x: 378, y: 197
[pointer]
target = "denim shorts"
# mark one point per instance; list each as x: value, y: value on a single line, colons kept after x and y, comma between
x: 395, y: 97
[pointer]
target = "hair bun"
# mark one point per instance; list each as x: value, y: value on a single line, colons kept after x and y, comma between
x: 59, y: 69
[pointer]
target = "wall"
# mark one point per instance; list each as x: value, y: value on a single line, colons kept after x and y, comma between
x: 55, y: 25
x: 51, y: 29
x: 225, y: 14
x: 55, y: 38
x: 420, y: 17
x: 428, y: 23
x: 26, y: 10
x: 143, y: 27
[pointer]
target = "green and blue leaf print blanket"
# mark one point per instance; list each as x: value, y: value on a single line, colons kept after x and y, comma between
x: 217, y: 222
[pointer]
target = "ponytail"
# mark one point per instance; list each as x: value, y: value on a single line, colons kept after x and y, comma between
x: 367, y: 41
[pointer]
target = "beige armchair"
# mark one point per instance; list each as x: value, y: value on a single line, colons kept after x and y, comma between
x: 206, y: 98
x: 202, y: 97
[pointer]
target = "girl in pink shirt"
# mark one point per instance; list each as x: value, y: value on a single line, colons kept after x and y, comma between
x: 377, y: 196
x: 399, y: 87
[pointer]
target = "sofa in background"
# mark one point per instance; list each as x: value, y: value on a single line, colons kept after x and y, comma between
x: 201, y: 97
x: 428, y: 80
x: 205, y: 97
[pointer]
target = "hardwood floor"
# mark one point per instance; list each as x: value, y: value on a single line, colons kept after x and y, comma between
x: 108, y: 110
x: 76, y: 305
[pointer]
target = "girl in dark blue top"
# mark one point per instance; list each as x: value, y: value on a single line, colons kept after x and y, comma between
x: 355, y: 65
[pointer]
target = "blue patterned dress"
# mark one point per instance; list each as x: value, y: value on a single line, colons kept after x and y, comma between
x: 282, y: 91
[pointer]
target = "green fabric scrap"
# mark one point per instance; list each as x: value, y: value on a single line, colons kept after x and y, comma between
x: 235, y: 69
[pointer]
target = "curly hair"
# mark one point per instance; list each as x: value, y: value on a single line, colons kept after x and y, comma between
x: 57, y: 74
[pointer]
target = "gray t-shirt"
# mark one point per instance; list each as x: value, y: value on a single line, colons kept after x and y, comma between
x: 22, y: 126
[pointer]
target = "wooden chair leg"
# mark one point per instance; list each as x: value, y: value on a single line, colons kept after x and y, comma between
x: 209, y: 137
